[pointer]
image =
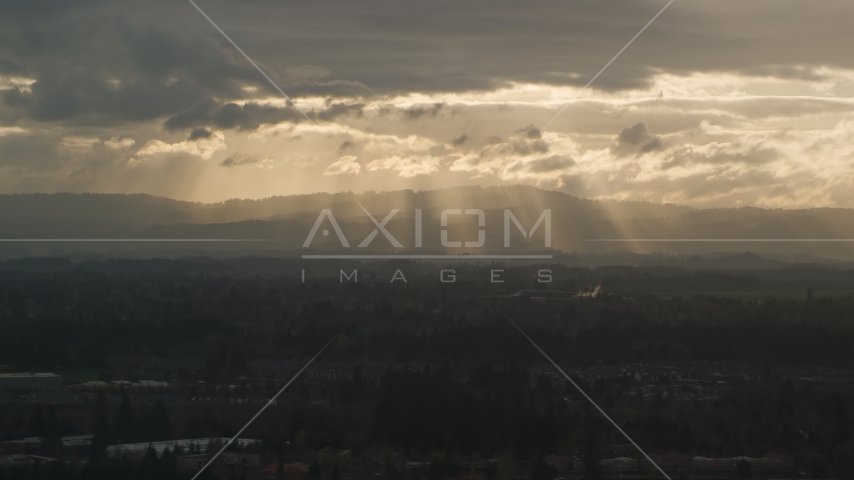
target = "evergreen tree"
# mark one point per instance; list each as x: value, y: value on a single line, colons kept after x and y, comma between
x: 51, y: 430
x: 158, y: 425
x: 101, y: 426
x: 37, y: 421
x: 590, y: 449
x: 314, y: 470
x: 544, y: 471
x: 124, y: 427
x: 743, y: 469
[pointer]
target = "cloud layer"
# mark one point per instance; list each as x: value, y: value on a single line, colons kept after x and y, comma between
x: 718, y: 104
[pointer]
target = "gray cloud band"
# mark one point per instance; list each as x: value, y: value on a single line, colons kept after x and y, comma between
x: 276, y: 86
x: 717, y: 108
x: 578, y: 94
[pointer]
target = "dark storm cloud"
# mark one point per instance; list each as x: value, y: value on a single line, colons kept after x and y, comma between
x: 652, y: 145
x: 198, y: 133
x: 9, y: 67
x: 144, y: 74
x: 528, y: 141
x: 18, y: 9
x: 136, y: 61
x: 332, y: 88
x: 161, y: 54
x: 634, y: 135
x: 531, y: 132
x: 459, y: 141
x: 77, y: 94
x: 250, y: 116
x: 457, y: 46
x: 414, y: 113
x: 541, y: 165
x: 239, y: 159
x: 385, y: 46
x: 636, y: 140
x: 336, y: 110
x: 527, y: 146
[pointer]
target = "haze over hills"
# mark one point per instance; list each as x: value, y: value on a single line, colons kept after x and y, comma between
x: 282, y: 224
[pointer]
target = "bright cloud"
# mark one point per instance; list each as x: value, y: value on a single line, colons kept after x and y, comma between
x: 409, y: 166
x: 120, y: 143
x: 746, y: 112
x: 203, y: 148
x: 346, y: 165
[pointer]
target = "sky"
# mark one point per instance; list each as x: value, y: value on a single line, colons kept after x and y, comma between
x: 718, y: 104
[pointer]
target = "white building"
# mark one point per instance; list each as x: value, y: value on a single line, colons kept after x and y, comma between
x: 188, y: 445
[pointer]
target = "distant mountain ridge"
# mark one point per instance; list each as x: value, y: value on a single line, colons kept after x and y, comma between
x: 139, y: 210
x: 579, y: 225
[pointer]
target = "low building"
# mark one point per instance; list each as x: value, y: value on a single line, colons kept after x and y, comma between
x: 193, y: 462
x: 770, y: 466
x: 139, y: 450
x: 245, y: 460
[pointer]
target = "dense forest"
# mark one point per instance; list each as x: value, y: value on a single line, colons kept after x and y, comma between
x: 56, y: 314
x: 457, y: 380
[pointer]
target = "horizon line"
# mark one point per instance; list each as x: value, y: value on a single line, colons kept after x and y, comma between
x: 427, y: 190
x: 569, y: 240
x: 426, y: 257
